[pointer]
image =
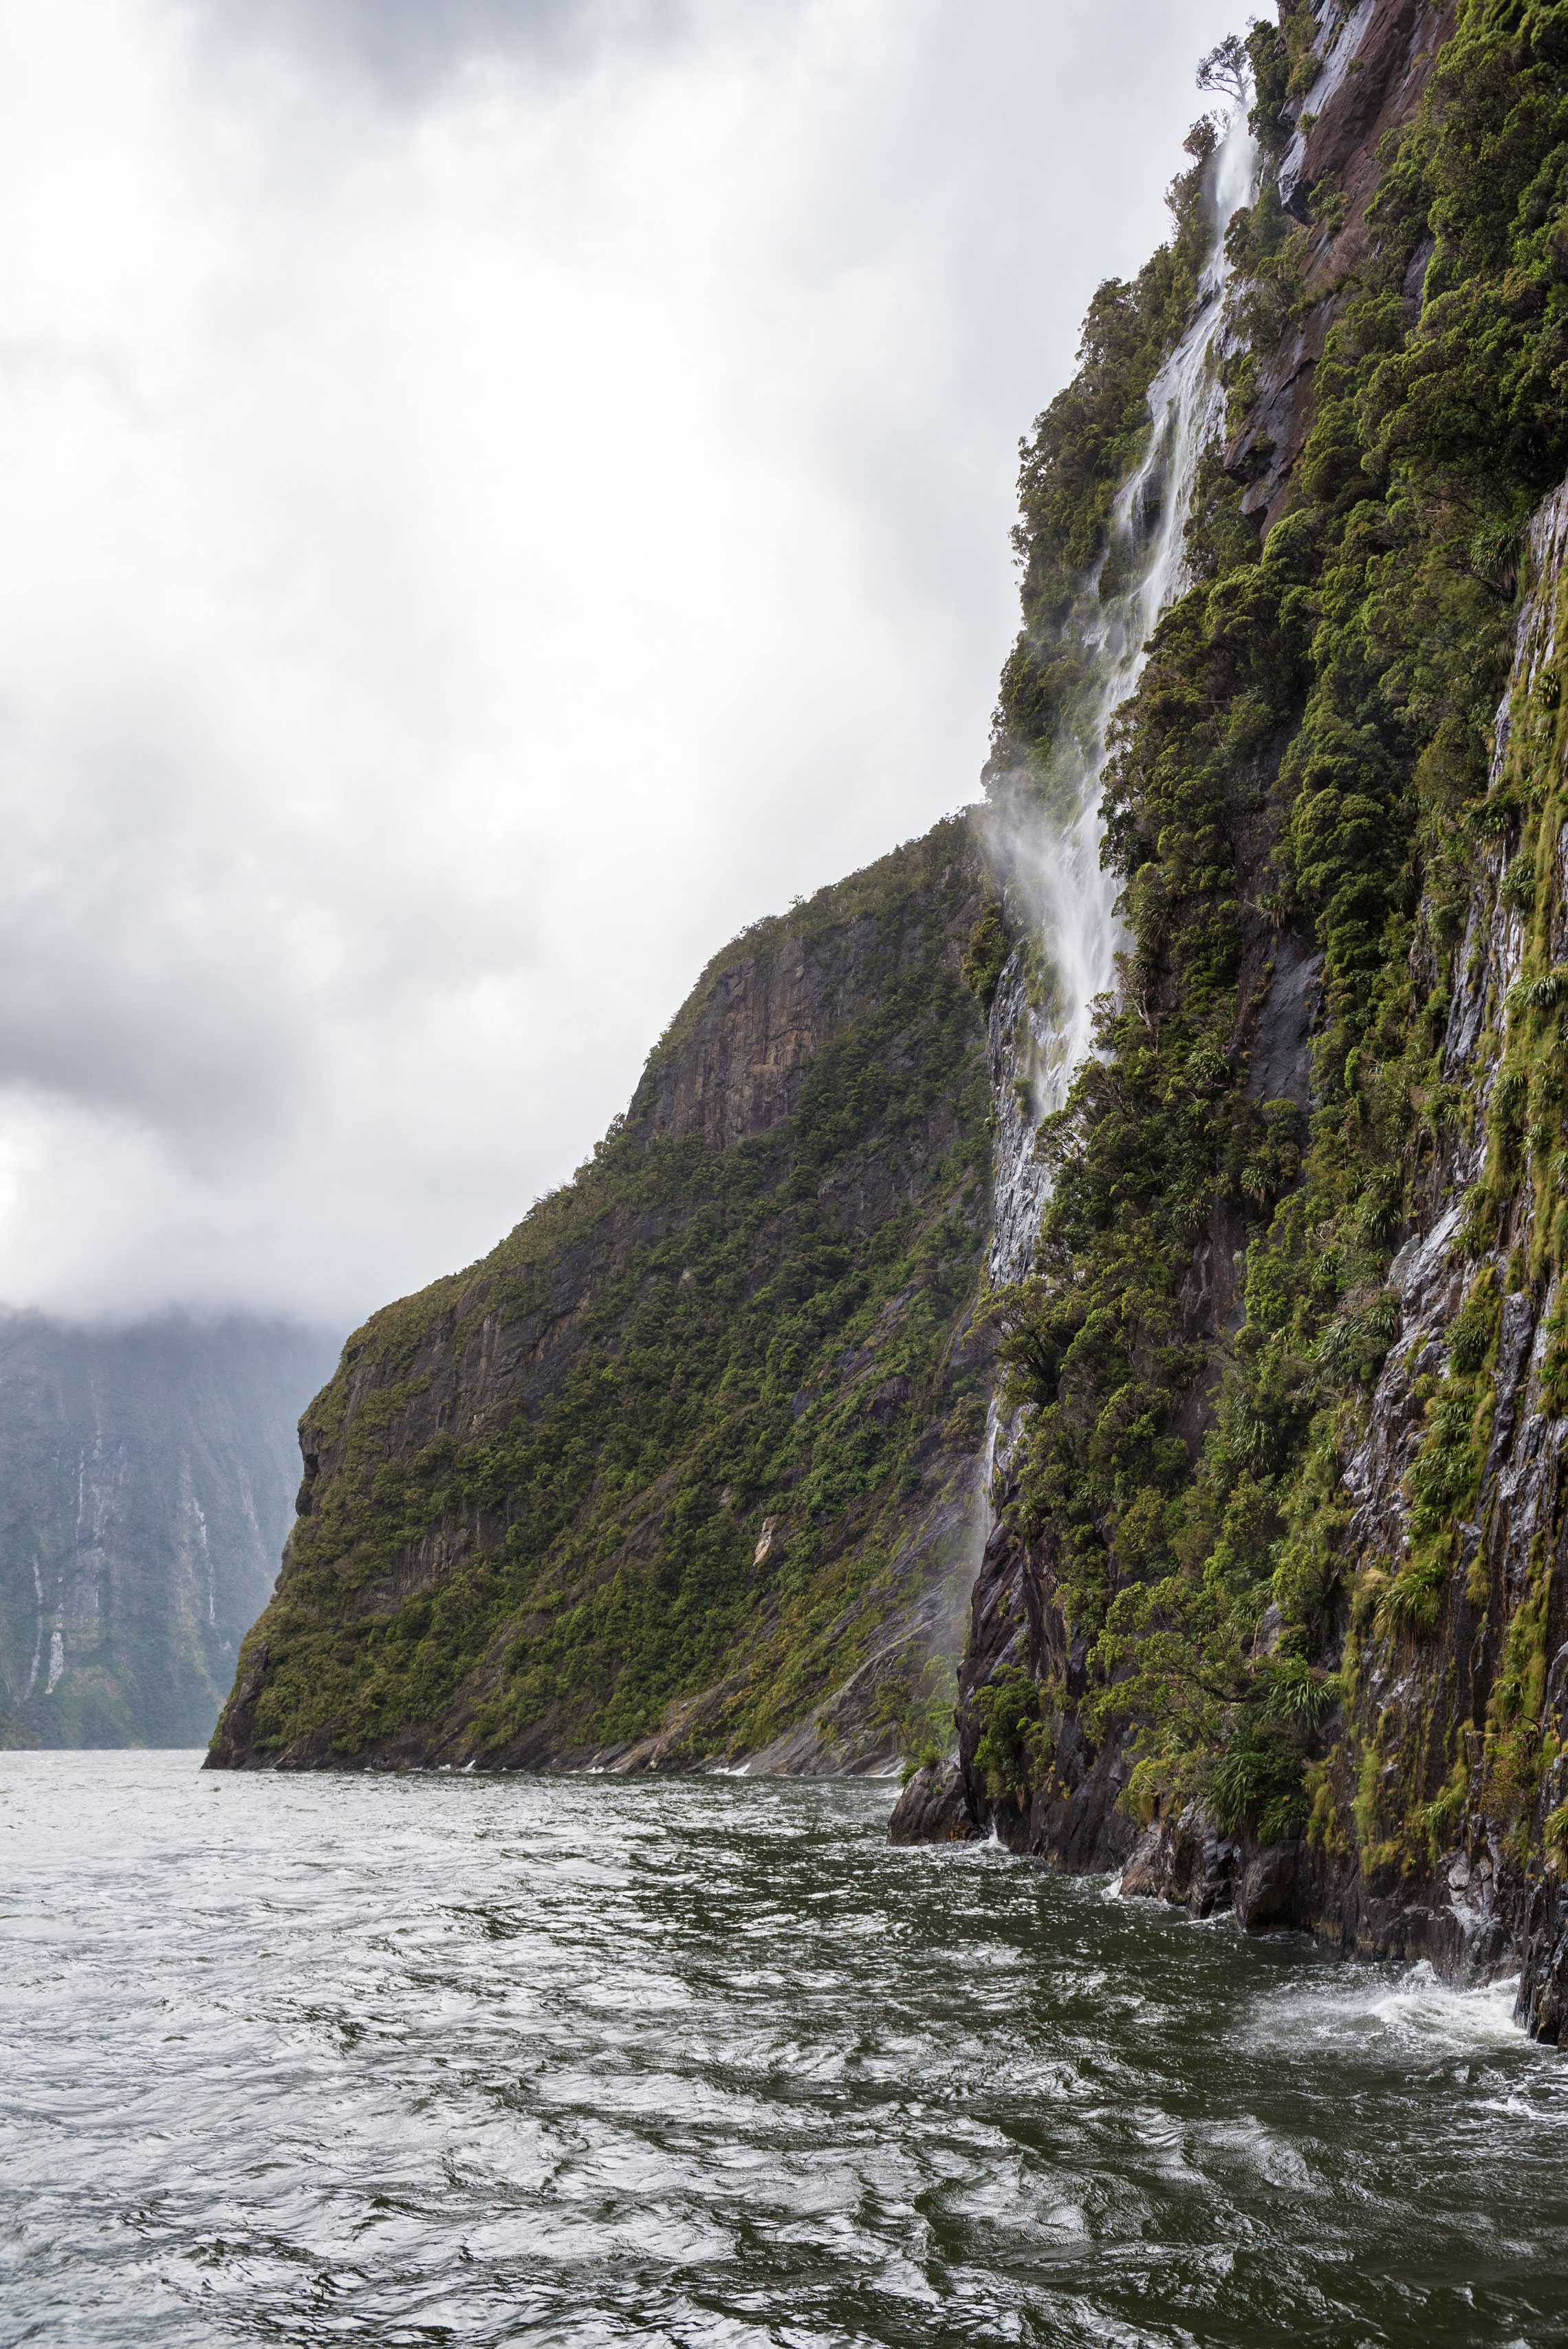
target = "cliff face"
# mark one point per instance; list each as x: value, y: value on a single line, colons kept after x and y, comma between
x: 1274, y: 1612
x: 1272, y: 1608
x: 684, y: 1471
x: 146, y: 1484
x: 1450, y: 1720
x: 1377, y: 64
x: 746, y: 1038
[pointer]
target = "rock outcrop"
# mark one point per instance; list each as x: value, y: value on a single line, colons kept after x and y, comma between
x: 1377, y: 62
x: 930, y: 1807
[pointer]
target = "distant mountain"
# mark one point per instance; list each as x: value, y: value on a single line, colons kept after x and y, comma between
x: 147, y: 1484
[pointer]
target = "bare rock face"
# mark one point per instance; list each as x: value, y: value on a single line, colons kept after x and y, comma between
x: 741, y: 1054
x: 933, y: 1807
x: 1266, y: 1896
x: 1191, y: 1865
x: 1544, y: 1977
x: 1371, y: 81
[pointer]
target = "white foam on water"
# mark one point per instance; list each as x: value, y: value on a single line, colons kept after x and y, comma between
x: 1411, y: 2010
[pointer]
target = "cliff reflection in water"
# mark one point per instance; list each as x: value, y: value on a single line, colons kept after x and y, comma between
x: 456, y: 2060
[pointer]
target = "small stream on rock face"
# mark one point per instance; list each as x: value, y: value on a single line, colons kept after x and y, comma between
x: 456, y: 2060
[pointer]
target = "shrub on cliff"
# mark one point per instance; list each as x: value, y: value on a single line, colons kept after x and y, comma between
x: 1322, y: 711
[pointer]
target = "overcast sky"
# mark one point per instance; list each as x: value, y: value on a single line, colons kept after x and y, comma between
x: 494, y: 495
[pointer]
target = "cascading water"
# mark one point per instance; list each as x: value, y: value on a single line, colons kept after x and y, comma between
x: 1052, y: 868
x: 1040, y: 1030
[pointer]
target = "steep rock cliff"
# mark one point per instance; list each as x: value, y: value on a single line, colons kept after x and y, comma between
x: 1373, y: 63
x: 684, y: 1471
x: 1274, y: 1613
x: 147, y: 1477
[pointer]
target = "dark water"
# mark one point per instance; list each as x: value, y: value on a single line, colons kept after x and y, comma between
x: 450, y: 2060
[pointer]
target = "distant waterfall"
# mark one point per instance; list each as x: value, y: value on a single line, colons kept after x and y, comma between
x: 1053, y: 869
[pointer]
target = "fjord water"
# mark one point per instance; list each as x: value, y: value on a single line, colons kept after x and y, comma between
x: 461, y: 2060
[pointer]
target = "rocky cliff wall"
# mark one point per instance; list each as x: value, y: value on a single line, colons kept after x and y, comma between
x: 734, y: 1068
x: 1421, y: 1740
x: 1377, y: 61
x: 684, y: 1471
x: 147, y: 1477
x: 1324, y: 1684
x: 1372, y: 62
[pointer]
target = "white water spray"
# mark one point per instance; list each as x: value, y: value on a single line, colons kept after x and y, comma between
x: 1053, y: 868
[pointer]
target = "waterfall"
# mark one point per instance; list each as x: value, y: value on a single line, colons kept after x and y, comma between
x: 1053, y: 870
x: 1038, y: 1038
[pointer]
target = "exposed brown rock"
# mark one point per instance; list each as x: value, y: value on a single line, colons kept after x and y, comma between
x: 1375, y: 76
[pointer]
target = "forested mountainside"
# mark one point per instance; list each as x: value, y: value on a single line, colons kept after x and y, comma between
x: 685, y: 1471
x: 147, y: 1478
x: 1275, y: 1604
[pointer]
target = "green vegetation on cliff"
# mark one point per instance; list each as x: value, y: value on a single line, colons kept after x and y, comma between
x: 147, y: 1478
x: 1081, y: 450
x: 1318, y: 709
x: 679, y: 1429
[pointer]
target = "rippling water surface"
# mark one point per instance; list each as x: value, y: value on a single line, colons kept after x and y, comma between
x: 456, y: 2060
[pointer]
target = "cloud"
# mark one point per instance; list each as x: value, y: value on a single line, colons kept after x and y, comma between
x: 404, y: 49
x: 493, y: 498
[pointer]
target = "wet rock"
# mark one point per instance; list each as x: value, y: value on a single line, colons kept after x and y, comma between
x: 933, y: 1807
x: 1148, y: 1874
x: 1265, y: 1893
x: 1188, y: 1862
x: 1376, y: 59
x: 1269, y: 1633
x: 1543, y: 2003
x: 1281, y: 1065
